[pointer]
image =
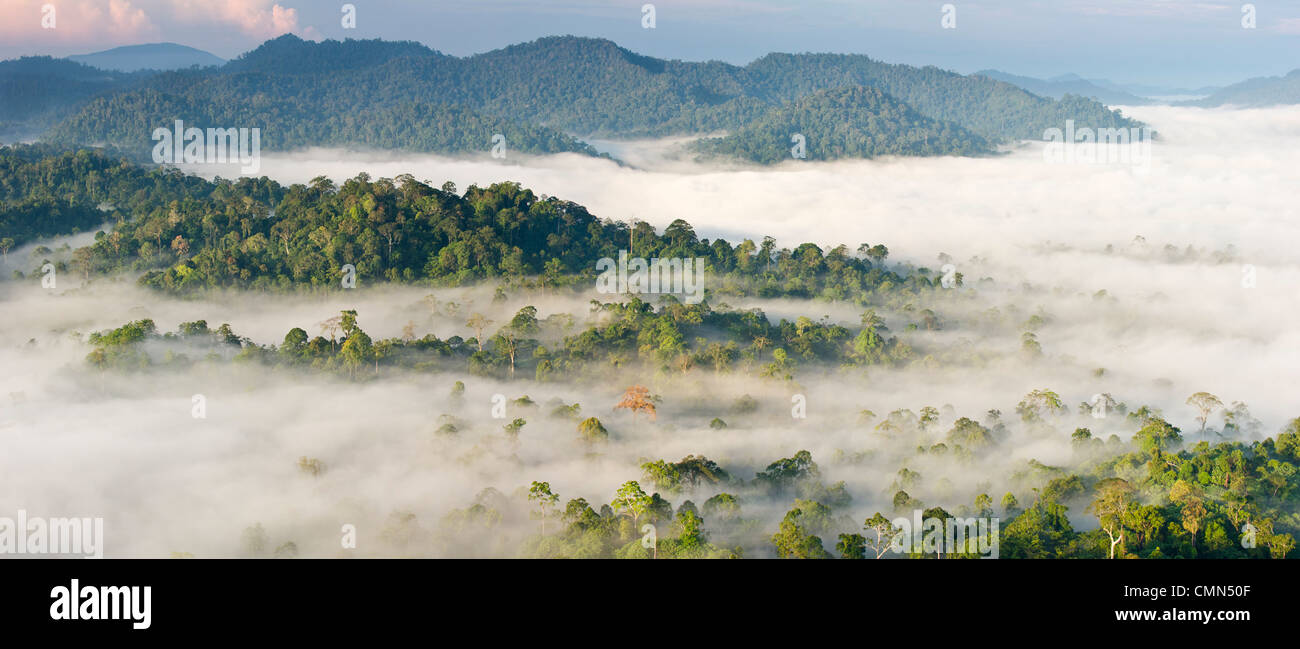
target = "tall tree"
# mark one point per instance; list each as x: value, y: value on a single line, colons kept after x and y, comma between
x: 1205, y: 403
x: 540, y: 493
x: 636, y: 399
x: 1114, y: 496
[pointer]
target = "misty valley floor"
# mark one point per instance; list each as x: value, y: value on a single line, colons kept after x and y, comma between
x: 1080, y: 283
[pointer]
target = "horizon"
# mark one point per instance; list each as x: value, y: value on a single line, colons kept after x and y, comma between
x: 1021, y: 38
x: 1051, y: 78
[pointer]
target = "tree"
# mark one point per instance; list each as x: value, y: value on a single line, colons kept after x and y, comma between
x: 723, y: 505
x: 1192, y: 500
x: 540, y: 493
x: 781, y: 366
x: 877, y: 254
x: 1205, y: 403
x: 852, y: 546
x: 357, y: 351
x: 1278, y: 475
x: 695, y: 470
x: 181, y: 247
x: 929, y: 415
x: 513, y: 336
x: 636, y: 399
x: 478, y: 322
x: 798, y: 537
x: 885, y: 533
x: 506, y: 343
x: 592, y: 431
x: 1157, y: 435
x: 331, y: 326
x: 348, y: 322
x: 664, y: 475
x: 6, y: 244
x: 1114, y: 496
x: 1038, y: 403
x: 1010, y: 506
x: 1279, y: 545
x: 631, y: 501
x: 786, y: 473
x: 1080, y: 438
x: 512, y: 428
x: 525, y: 321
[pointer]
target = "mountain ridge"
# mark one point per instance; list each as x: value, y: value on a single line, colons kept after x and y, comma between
x: 570, y: 85
x: 145, y: 56
x: 1259, y: 92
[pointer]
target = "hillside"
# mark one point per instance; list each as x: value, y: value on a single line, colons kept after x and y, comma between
x: 1069, y: 84
x: 38, y: 91
x: 853, y: 122
x: 301, y: 92
x: 150, y: 56
x: 1257, y: 92
x: 287, y: 125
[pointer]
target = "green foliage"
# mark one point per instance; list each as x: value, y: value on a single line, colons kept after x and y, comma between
x: 852, y: 122
x: 376, y: 93
x: 798, y: 537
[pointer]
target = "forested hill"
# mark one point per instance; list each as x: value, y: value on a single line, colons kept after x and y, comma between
x: 38, y: 91
x: 1254, y: 93
x: 305, y: 93
x: 181, y: 233
x: 127, y: 121
x: 991, y: 108
x: 852, y: 122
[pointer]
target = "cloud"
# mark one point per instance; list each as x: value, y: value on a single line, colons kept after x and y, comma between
x: 1049, y: 237
x: 1287, y: 26
x: 75, y: 22
x: 1150, y: 8
x: 261, y: 19
x: 86, y: 25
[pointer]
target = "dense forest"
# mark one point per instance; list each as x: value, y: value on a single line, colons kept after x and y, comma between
x: 288, y: 124
x: 37, y: 92
x: 185, y: 233
x: 406, y: 96
x: 854, y: 122
x: 1223, y: 489
x: 1157, y: 495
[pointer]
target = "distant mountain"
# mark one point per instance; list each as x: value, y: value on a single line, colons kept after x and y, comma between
x: 152, y: 56
x: 852, y: 122
x: 1258, y: 92
x: 1155, y: 93
x: 1069, y: 84
x: 303, y: 93
x: 37, y: 92
x: 416, y: 127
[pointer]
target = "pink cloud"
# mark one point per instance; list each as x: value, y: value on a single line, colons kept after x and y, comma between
x: 74, y: 22
x: 1288, y: 26
x: 261, y: 19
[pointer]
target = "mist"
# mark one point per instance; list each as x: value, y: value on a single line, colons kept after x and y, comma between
x: 1192, y: 253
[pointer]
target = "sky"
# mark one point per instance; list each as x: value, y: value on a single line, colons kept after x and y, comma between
x: 1170, y: 43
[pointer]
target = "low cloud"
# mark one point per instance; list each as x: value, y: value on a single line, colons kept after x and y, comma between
x: 1171, y: 246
